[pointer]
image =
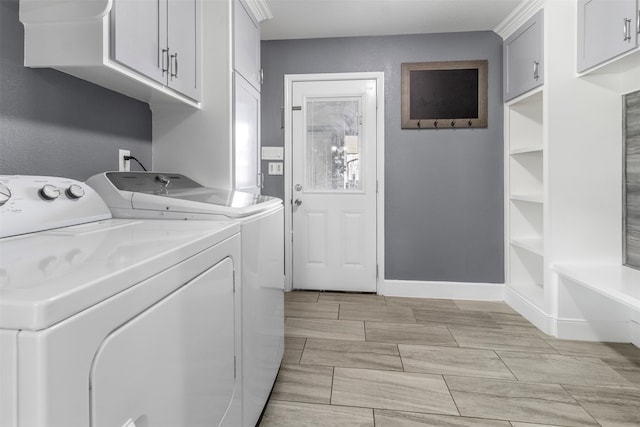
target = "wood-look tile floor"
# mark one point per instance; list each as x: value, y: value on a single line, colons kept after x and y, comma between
x: 369, y: 360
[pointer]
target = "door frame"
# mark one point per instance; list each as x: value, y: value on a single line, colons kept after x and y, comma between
x: 289, y: 80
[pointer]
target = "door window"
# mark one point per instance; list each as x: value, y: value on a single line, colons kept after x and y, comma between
x: 333, y: 148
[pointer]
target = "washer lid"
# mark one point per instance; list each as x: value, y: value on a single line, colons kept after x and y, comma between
x: 48, y: 276
x: 169, y: 192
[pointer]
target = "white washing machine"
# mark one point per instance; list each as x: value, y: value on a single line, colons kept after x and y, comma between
x: 111, y: 322
x: 163, y: 195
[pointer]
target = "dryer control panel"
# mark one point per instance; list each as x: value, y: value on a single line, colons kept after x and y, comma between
x: 34, y: 203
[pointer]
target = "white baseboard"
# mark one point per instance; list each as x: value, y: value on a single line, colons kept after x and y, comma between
x: 634, y: 332
x: 575, y: 329
x: 533, y: 314
x: 442, y: 290
x: 595, y: 330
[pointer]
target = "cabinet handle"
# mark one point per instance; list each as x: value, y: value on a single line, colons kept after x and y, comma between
x: 627, y: 29
x: 165, y: 60
x: 536, y: 70
x: 174, y: 66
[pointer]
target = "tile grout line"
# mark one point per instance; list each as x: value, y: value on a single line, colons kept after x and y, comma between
x: 562, y: 386
x: 453, y: 336
x: 333, y: 375
x: 506, y: 365
x: 444, y: 380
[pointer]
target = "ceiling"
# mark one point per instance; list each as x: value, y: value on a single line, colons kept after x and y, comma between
x: 303, y: 19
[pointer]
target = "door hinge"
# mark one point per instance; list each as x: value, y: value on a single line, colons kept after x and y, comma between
x: 377, y: 187
x: 234, y: 366
x: 297, y: 108
x: 377, y: 272
x: 234, y: 281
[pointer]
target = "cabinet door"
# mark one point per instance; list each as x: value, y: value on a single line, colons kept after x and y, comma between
x: 183, y: 31
x: 523, y: 58
x: 246, y: 44
x: 606, y: 29
x: 246, y: 135
x: 138, y: 34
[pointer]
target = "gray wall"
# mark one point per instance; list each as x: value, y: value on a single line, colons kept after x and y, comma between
x: 443, y: 188
x: 55, y: 124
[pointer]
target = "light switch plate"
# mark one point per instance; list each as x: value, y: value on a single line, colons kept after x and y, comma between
x: 272, y: 153
x: 275, y: 168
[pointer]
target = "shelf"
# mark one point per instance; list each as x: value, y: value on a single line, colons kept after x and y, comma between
x: 532, y: 244
x: 524, y: 124
x: 527, y: 150
x: 614, y: 281
x: 528, y: 197
x: 526, y: 174
x: 526, y: 274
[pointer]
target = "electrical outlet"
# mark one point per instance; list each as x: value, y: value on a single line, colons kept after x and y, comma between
x: 124, y: 165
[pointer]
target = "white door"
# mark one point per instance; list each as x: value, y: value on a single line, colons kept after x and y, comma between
x: 334, y: 185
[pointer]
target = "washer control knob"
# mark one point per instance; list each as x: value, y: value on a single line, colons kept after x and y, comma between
x: 75, y: 191
x: 49, y: 192
x: 5, y: 194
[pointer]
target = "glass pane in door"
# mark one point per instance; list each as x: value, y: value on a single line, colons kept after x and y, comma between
x: 333, y: 145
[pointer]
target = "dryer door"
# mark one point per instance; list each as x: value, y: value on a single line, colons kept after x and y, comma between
x: 172, y: 365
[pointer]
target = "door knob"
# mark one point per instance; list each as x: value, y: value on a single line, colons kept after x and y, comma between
x: 298, y: 187
x: 298, y: 202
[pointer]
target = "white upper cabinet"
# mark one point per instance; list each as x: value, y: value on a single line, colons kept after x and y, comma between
x: 183, y: 27
x: 246, y: 44
x: 523, y: 58
x: 163, y: 46
x: 136, y: 42
x: 146, y: 49
x: 606, y: 29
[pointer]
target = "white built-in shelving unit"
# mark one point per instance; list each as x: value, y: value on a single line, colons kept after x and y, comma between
x: 526, y: 195
x: 563, y: 182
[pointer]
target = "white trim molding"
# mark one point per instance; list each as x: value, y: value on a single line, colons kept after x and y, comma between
x: 442, y: 290
x: 260, y: 9
x: 517, y: 17
x: 529, y: 311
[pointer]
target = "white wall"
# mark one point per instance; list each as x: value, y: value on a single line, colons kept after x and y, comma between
x: 585, y: 148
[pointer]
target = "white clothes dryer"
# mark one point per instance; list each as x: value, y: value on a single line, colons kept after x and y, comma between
x: 169, y: 195
x: 111, y: 322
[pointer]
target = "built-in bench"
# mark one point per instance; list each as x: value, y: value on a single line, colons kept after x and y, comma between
x: 598, y: 302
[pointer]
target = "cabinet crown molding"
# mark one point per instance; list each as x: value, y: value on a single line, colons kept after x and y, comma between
x: 49, y: 11
x: 521, y: 14
x: 260, y: 9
